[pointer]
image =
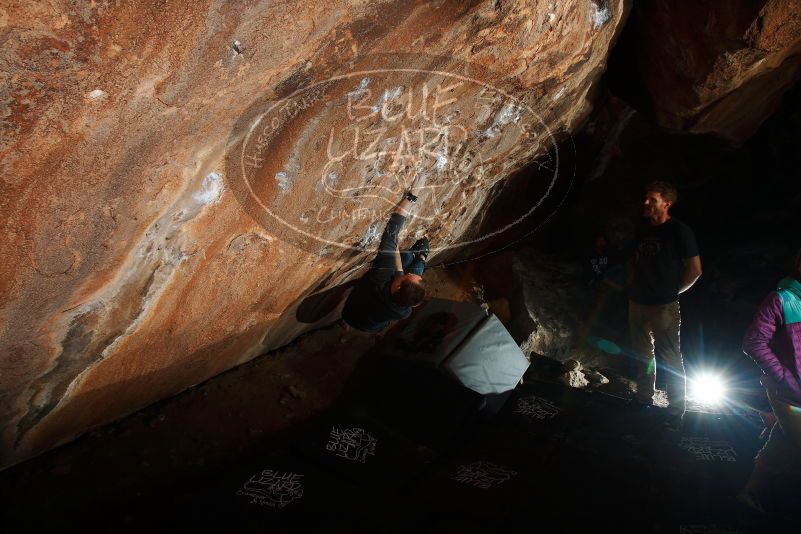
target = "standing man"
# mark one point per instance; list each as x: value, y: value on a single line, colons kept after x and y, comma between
x: 394, y: 283
x: 665, y: 264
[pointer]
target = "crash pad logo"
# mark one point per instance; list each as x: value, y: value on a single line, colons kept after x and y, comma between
x: 353, y: 444
x: 275, y: 489
x: 483, y: 474
x: 535, y: 407
x: 324, y: 165
x: 707, y: 450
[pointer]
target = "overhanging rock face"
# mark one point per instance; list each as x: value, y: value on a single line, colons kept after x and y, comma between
x: 177, y: 175
x: 719, y: 67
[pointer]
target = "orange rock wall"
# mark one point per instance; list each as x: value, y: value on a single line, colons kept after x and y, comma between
x: 132, y: 268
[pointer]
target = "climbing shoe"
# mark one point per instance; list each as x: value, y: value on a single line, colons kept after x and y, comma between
x: 421, y: 248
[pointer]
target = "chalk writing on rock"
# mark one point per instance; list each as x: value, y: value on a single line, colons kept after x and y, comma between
x: 324, y: 163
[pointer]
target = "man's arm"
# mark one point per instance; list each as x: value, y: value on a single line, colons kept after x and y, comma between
x: 692, y: 272
x: 398, y: 261
x: 388, y: 261
x: 404, y: 207
x: 688, y: 252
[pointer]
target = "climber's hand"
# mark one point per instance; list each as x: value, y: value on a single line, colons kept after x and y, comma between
x: 405, y: 205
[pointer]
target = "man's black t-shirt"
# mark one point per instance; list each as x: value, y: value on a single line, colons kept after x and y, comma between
x: 659, y: 266
x: 370, y: 306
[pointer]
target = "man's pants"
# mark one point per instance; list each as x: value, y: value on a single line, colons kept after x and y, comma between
x: 655, y: 331
x: 781, y: 454
x: 412, y: 265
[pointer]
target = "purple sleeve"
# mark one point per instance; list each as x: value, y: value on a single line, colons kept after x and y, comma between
x: 756, y: 342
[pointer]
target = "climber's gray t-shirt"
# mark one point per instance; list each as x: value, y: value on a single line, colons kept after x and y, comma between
x: 370, y: 306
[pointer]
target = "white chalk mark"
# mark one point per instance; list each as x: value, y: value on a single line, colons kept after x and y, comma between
x: 284, y: 183
x: 442, y: 161
x: 329, y: 181
x: 370, y: 236
x: 600, y: 15
x: 97, y: 93
x: 361, y: 89
x: 388, y: 95
x: 210, y: 189
x: 507, y: 114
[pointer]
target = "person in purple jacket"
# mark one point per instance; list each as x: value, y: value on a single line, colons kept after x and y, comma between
x: 774, y: 342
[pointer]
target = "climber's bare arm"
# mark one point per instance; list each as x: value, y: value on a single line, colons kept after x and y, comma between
x: 404, y: 208
x: 398, y: 262
x: 692, y: 272
x: 405, y: 205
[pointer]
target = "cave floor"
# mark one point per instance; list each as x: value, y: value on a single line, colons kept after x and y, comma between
x: 552, y: 456
x: 330, y: 434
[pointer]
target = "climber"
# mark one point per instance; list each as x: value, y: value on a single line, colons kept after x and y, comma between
x: 665, y: 263
x: 394, y: 283
x: 773, y: 340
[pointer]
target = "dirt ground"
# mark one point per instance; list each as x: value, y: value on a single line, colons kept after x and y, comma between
x: 209, y: 424
x: 132, y: 472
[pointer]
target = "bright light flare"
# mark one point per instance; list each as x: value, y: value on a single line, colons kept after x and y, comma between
x: 708, y: 389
